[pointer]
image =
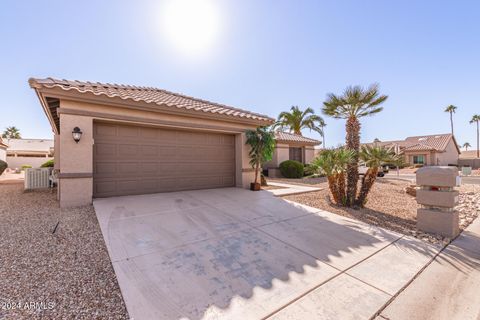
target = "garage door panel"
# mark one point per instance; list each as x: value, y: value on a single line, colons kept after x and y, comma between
x: 105, y: 130
x: 105, y: 150
x: 127, y: 132
x: 136, y: 160
x: 146, y: 151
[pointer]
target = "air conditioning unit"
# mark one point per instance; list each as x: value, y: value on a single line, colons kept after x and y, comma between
x: 37, y: 178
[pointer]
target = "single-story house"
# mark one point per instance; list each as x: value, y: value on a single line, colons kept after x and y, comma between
x: 3, y: 150
x: 32, y: 152
x: 433, y: 150
x: 290, y: 146
x: 469, y: 158
x: 114, y: 140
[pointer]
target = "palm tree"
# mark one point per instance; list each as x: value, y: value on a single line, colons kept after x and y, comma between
x: 374, y: 157
x: 295, y: 120
x: 451, y: 109
x: 11, y: 133
x: 355, y: 102
x: 466, y: 145
x: 476, y: 118
x: 262, y: 144
x: 333, y: 163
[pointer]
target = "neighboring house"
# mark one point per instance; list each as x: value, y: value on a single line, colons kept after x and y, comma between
x: 32, y: 152
x: 436, y: 150
x: 469, y: 158
x: 3, y: 150
x: 138, y: 140
x: 290, y: 146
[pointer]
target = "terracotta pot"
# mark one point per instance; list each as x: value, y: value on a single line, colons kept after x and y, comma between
x: 254, y: 186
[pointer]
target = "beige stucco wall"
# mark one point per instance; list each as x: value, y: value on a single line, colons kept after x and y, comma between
x: 17, y: 162
x: 3, y: 154
x: 450, y: 156
x: 77, y: 159
x: 280, y: 154
x: 309, y: 154
x: 56, y: 144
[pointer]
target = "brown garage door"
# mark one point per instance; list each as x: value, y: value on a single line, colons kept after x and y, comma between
x: 135, y: 160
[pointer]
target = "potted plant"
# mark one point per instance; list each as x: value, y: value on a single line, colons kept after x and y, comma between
x: 262, y: 144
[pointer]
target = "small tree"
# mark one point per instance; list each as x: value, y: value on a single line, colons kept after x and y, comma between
x: 466, y: 145
x: 11, y: 133
x: 262, y: 144
x: 374, y: 157
x: 355, y: 103
x: 333, y: 163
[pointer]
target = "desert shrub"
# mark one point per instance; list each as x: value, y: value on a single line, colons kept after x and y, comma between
x: 418, y: 165
x: 291, y: 169
x: 26, y: 166
x: 3, y: 166
x: 309, y: 170
x: 47, y: 164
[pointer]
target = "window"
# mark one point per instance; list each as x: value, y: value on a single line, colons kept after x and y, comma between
x: 296, y: 154
x: 419, y: 159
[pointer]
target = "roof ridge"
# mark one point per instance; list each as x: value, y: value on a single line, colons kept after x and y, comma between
x: 147, y: 88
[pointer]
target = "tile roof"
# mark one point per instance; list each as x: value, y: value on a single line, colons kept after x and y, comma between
x: 149, y: 95
x: 291, y: 137
x: 34, y: 145
x: 419, y: 147
x: 435, y: 142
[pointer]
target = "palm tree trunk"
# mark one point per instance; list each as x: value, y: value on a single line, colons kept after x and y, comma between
x: 367, y: 184
x: 341, y: 188
x: 451, y: 121
x: 332, y: 185
x: 353, y: 143
x: 323, y: 137
x: 478, y: 137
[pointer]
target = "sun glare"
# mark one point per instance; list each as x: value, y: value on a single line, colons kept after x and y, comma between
x: 192, y: 26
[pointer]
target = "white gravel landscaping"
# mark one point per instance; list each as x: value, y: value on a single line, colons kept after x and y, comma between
x: 390, y: 207
x: 65, y: 275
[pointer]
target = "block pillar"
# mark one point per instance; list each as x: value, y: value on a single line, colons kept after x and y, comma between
x: 437, y: 196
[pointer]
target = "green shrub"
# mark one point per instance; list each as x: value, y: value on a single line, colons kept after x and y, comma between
x: 26, y: 166
x: 291, y: 169
x: 3, y: 166
x: 309, y: 170
x: 48, y: 164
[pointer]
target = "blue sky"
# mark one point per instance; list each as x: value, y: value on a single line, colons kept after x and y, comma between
x: 268, y: 56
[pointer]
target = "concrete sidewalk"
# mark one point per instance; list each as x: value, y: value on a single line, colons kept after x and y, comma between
x: 287, y: 189
x: 448, y: 288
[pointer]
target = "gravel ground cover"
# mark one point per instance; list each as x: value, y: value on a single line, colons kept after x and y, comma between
x: 67, y: 274
x: 390, y: 207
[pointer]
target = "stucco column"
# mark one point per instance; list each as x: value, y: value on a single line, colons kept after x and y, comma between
x: 76, y: 161
x: 244, y: 172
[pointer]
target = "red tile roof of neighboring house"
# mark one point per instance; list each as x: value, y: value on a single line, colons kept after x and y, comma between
x: 435, y: 142
x: 291, y: 137
x: 149, y: 95
x: 419, y: 147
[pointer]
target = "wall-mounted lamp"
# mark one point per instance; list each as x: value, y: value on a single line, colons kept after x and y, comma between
x: 77, y: 134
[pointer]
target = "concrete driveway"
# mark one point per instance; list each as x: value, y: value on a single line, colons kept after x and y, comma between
x: 236, y: 254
